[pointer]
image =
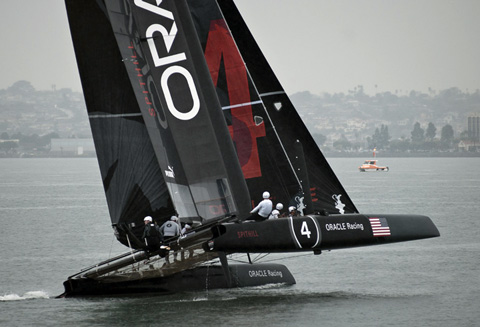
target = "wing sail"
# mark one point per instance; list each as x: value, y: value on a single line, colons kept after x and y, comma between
x: 274, y: 147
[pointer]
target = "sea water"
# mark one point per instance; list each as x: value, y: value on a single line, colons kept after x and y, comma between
x: 54, y: 222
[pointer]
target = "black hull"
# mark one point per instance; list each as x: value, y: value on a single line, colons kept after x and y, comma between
x: 316, y: 233
x: 197, y: 279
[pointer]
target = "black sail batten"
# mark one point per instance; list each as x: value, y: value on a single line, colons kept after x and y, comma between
x: 132, y: 178
x: 326, y: 190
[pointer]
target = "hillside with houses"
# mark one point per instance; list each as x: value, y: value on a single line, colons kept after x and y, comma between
x: 341, y: 123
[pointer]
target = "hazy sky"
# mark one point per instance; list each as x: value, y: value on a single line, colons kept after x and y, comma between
x: 312, y: 45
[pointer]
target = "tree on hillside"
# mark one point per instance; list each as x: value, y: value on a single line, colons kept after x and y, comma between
x: 8, y: 146
x: 342, y: 144
x: 418, y: 134
x: 431, y: 131
x: 400, y: 145
x: 384, y: 136
x: 447, y: 136
x: 21, y: 88
x: 380, y: 139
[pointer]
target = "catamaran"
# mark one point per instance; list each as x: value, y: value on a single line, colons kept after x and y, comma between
x: 189, y: 119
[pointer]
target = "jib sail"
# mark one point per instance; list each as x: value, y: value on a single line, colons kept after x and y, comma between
x: 274, y: 147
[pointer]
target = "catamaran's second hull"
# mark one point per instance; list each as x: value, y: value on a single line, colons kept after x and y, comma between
x: 195, y: 279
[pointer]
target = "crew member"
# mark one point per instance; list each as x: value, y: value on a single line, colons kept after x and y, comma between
x: 274, y: 215
x: 279, y: 207
x: 170, y: 228
x: 186, y: 230
x: 152, y: 235
x: 263, y: 209
x: 292, y: 211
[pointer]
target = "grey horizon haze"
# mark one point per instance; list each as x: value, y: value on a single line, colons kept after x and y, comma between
x: 312, y: 45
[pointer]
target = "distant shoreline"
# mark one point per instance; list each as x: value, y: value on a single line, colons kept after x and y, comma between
x: 369, y: 155
x: 364, y: 155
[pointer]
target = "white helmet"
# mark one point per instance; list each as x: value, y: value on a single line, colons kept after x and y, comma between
x: 266, y: 195
x: 275, y: 212
x: 187, y: 226
x: 291, y: 208
x: 147, y: 218
x: 279, y: 206
x: 173, y: 218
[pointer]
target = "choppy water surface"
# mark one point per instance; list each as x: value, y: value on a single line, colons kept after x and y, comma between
x: 55, y: 222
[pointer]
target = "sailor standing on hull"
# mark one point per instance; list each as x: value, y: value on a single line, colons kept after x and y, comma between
x: 152, y: 235
x: 263, y: 209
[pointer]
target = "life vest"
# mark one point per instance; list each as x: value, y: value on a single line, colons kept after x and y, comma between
x: 171, y: 228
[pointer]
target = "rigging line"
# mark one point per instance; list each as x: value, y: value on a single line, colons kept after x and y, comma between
x: 259, y: 257
x: 130, y: 245
x: 276, y: 134
x: 240, y: 261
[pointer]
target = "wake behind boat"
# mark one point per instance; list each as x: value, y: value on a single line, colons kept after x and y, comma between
x: 188, y: 119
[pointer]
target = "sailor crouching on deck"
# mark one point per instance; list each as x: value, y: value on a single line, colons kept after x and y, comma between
x: 170, y: 228
x: 152, y: 235
x: 263, y: 209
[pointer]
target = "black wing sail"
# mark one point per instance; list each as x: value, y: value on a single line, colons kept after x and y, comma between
x: 151, y: 70
x: 131, y: 175
x: 177, y: 99
x: 274, y: 147
x: 327, y: 191
x: 260, y: 153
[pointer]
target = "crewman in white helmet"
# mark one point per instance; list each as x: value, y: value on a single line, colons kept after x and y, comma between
x: 152, y: 236
x: 263, y: 209
x: 292, y: 211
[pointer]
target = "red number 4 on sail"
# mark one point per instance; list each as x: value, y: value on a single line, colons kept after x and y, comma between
x: 243, y: 130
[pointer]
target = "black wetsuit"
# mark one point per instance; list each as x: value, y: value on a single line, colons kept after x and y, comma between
x: 152, y: 236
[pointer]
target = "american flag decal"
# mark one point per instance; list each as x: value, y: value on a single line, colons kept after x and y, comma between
x: 379, y: 227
